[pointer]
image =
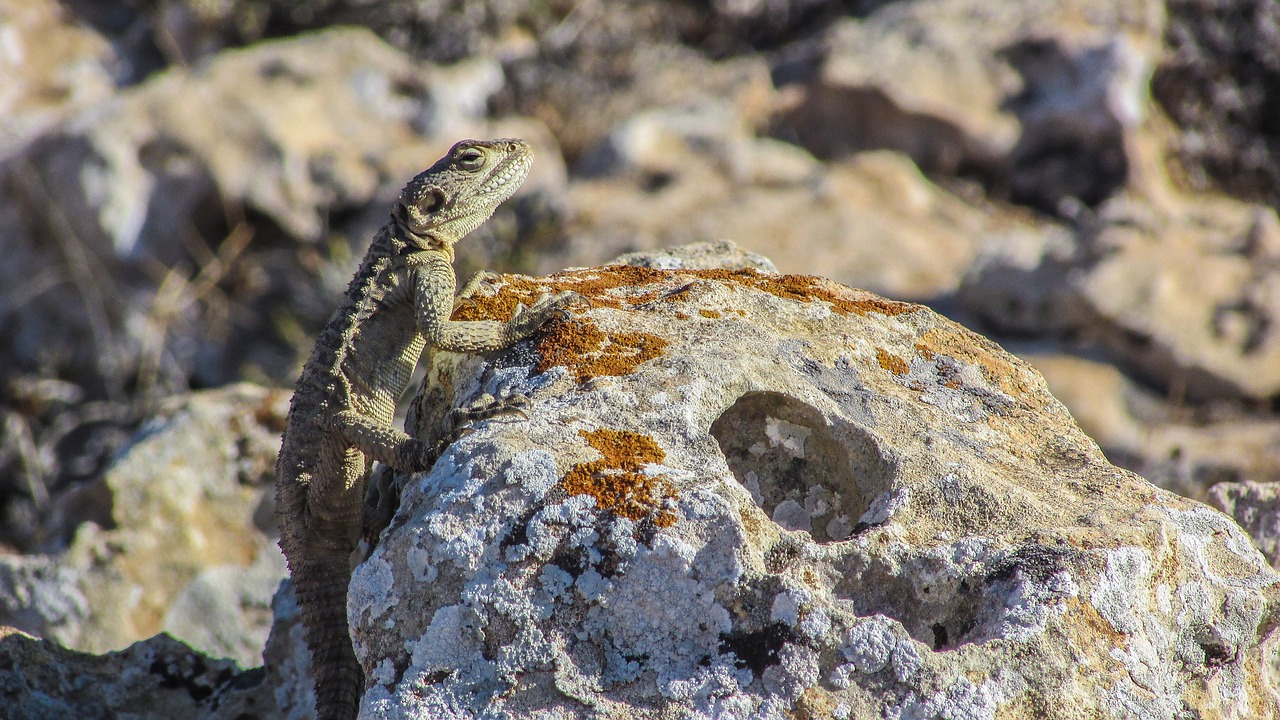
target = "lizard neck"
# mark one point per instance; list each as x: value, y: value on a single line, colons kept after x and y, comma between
x: 419, y: 243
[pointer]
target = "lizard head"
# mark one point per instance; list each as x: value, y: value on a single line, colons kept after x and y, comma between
x: 452, y: 197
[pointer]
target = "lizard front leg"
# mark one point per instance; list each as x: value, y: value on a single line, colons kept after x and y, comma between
x: 434, y: 285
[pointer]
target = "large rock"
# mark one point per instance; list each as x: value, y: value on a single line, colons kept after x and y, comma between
x: 178, y: 535
x: 51, y: 64
x: 1184, y: 289
x: 748, y: 495
x: 1037, y: 97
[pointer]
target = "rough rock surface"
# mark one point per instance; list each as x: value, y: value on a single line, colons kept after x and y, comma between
x: 1185, y: 290
x: 1256, y: 507
x: 745, y: 495
x: 1036, y: 96
x: 176, y: 536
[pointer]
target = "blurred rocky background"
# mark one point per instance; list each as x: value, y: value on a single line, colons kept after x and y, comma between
x: 186, y: 187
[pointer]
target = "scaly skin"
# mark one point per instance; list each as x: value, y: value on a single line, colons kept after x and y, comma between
x: 397, y: 306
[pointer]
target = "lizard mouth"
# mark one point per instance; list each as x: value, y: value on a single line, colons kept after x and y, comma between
x: 507, y: 176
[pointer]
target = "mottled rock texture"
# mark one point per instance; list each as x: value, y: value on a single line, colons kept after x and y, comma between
x: 746, y: 495
x: 1036, y: 97
x: 176, y: 536
x: 1256, y: 506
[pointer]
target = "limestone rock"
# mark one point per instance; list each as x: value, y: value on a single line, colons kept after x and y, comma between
x: 157, y: 679
x: 747, y: 495
x: 1037, y: 96
x: 1256, y: 506
x: 177, y: 536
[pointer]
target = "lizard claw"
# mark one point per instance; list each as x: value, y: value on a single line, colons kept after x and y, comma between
x: 547, y: 307
x: 483, y: 278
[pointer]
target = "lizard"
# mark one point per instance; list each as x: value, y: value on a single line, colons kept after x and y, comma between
x: 397, y: 306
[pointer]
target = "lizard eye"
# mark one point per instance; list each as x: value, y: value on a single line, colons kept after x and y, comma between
x: 470, y: 159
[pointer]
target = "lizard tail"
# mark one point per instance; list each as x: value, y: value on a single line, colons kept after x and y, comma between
x: 322, y: 595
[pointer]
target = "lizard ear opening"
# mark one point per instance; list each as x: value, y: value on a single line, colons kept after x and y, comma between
x: 433, y: 201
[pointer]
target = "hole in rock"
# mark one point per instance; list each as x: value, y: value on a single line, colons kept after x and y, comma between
x: 758, y: 649
x: 939, y: 636
x: 804, y: 472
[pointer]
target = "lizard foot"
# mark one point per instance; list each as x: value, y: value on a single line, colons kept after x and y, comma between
x: 482, y: 279
x: 462, y: 420
x: 546, y: 308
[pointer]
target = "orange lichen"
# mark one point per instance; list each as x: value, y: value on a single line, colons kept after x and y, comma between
x: 587, y: 351
x: 807, y: 288
x: 617, y: 481
x: 596, y: 284
x: 891, y: 362
x: 970, y: 347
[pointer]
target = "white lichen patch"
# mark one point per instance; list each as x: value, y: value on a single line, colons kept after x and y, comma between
x: 1122, y: 584
x: 869, y: 645
x: 963, y: 700
x: 1029, y: 604
x: 372, y: 588
x: 664, y: 611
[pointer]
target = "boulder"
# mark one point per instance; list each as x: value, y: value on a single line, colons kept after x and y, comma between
x: 1036, y: 97
x: 740, y: 494
x: 1183, y: 289
x: 178, y: 535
